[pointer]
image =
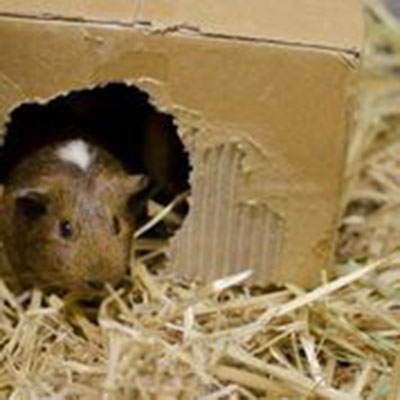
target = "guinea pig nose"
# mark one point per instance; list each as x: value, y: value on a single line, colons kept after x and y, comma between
x: 94, y: 284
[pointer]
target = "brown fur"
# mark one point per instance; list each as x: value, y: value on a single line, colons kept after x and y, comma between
x: 41, y: 193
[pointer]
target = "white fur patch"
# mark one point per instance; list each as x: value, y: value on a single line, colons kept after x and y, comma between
x: 76, y: 152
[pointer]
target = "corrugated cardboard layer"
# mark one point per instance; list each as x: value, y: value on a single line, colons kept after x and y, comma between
x: 285, y: 109
x: 221, y: 236
x: 334, y: 24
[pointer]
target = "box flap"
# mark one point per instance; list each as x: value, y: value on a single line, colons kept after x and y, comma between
x: 331, y: 24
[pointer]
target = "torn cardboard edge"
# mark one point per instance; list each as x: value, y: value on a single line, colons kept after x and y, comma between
x: 152, y: 148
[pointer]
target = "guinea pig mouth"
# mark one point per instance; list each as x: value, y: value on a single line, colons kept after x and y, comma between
x: 86, y: 293
x: 85, y: 299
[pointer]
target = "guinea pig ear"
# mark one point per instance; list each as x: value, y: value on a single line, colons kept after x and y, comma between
x: 136, y: 184
x: 31, y: 203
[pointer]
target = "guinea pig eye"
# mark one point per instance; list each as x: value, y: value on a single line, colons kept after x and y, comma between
x: 65, y: 229
x: 116, y: 225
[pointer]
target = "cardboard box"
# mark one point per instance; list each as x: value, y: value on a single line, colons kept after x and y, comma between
x: 263, y: 96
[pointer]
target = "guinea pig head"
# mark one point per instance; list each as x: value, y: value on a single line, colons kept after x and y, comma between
x: 72, y: 233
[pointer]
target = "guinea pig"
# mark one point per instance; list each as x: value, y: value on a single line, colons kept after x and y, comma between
x: 69, y: 211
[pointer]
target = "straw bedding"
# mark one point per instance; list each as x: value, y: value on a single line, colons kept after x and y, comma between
x: 167, y: 338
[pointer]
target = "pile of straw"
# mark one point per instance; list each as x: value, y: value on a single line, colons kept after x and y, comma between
x: 171, y: 340
x: 166, y: 338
